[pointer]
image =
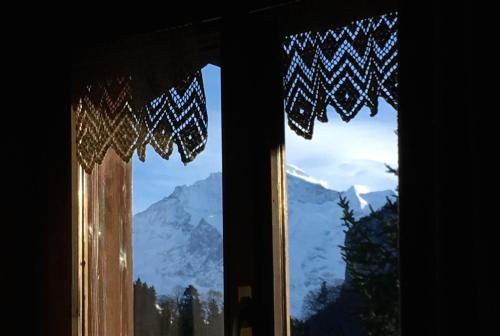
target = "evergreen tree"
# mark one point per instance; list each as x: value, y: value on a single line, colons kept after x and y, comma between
x: 139, y: 304
x: 190, y: 313
x: 367, y: 303
x: 146, y: 314
x: 371, y: 256
x: 168, y: 317
x: 296, y: 327
x: 215, y: 314
x: 317, y: 300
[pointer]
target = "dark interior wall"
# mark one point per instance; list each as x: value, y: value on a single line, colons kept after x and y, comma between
x: 36, y: 194
x: 447, y: 240
x: 447, y: 245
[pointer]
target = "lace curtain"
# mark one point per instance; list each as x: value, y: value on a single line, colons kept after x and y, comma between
x: 146, y: 90
x: 149, y: 89
x: 348, y: 68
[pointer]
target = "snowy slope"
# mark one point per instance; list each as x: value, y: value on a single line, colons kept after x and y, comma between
x: 178, y: 240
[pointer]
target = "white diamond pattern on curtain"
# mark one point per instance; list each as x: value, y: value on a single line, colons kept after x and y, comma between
x: 347, y: 68
x: 106, y: 117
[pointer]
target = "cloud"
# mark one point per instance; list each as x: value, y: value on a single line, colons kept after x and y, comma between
x: 345, y: 154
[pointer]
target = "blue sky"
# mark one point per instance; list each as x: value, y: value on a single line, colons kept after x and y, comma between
x: 339, y: 155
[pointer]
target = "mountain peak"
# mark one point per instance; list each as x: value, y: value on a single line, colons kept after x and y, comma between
x: 361, y: 189
x: 294, y: 170
x: 355, y: 193
x: 299, y: 173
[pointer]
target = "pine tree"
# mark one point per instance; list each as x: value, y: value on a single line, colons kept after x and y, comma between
x: 317, y: 300
x: 215, y: 314
x: 371, y: 257
x: 367, y: 303
x: 168, y: 317
x: 139, y: 308
x: 146, y: 315
x: 190, y: 313
x: 297, y: 327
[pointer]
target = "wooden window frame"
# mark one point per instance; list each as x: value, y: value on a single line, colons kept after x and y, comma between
x: 102, y: 247
x: 255, y: 250
x: 267, y: 239
x: 254, y: 185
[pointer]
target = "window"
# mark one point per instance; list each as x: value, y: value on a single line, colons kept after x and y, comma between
x: 177, y: 236
x: 343, y: 219
x: 338, y: 269
x: 254, y: 207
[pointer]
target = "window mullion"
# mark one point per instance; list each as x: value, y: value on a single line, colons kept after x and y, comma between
x: 253, y: 181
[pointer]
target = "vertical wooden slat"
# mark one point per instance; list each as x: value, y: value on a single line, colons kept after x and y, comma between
x: 109, y: 213
x: 280, y: 241
x: 84, y: 199
x: 91, y: 299
x: 77, y: 239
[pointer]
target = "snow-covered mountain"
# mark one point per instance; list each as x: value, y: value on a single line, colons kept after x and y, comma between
x: 178, y: 240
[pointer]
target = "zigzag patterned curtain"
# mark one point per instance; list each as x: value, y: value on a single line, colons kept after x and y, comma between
x: 149, y: 90
x: 347, y: 68
x: 141, y: 91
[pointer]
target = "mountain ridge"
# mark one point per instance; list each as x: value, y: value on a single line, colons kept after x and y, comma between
x: 178, y: 240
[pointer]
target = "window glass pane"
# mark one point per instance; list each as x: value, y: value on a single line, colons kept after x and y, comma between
x: 177, y: 236
x: 343, y: 274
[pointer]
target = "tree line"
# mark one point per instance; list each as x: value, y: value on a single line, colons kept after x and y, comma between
x: 182, y: 314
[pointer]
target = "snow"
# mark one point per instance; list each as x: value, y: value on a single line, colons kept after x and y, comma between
x: 178, y: 240
x: 297, y: 172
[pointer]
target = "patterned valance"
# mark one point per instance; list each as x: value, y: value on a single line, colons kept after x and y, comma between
x: 137, y: 92
x: 347, y: 68
x: 149, y: 89
x: 106, y: 118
